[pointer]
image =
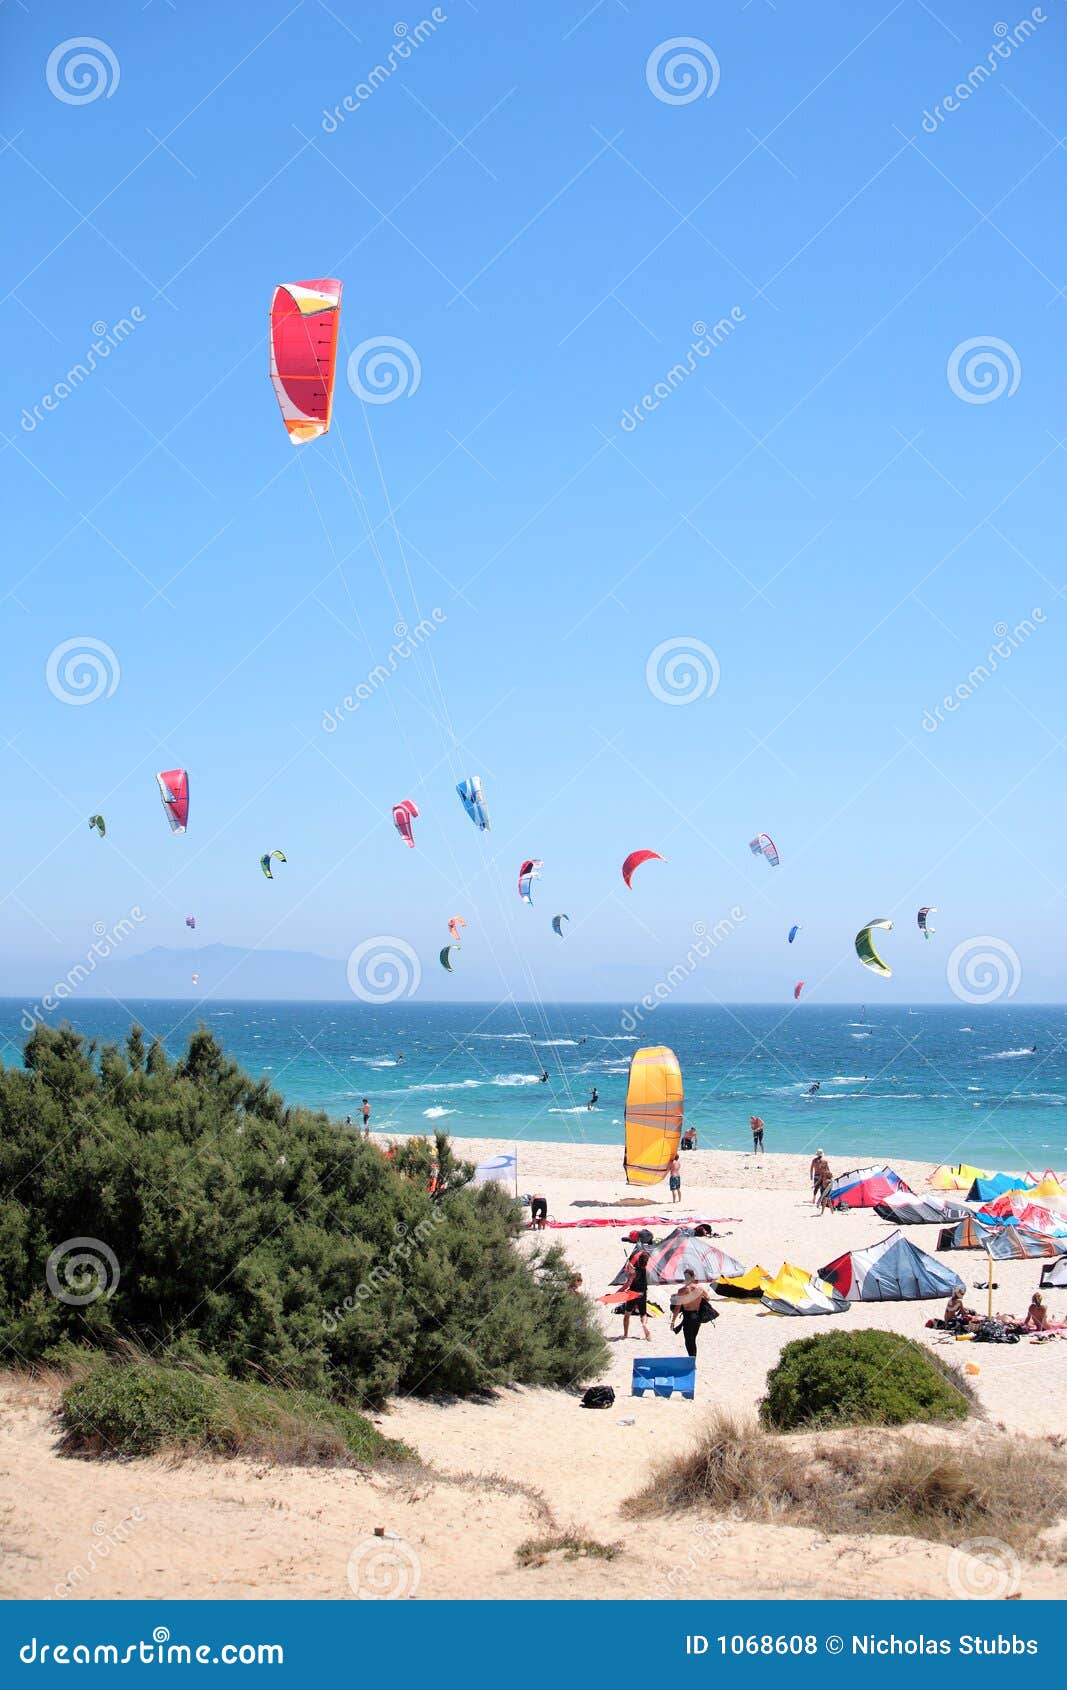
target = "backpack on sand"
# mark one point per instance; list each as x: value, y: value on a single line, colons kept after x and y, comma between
x: 599, y: 1396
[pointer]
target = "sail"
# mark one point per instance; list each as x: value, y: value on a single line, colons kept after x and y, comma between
x: 653, y: 1114
x: 303, y: 354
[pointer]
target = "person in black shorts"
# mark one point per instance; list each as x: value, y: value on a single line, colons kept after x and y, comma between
x: 538, y: 1213
x: 638, y: 1302
x: 756, y: 1123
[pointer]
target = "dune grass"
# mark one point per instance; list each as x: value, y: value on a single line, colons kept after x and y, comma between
x: 866, y: 1482
x: 570, y: 1545
x: 149, y: 1408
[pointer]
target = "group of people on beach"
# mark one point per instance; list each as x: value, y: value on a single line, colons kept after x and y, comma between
x: 958, y: 1317
x: 691, y: 1304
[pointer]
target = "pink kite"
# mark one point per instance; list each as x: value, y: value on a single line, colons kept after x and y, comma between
x: 404, y: 814
x: 635, y: 859
x: 174, y: 791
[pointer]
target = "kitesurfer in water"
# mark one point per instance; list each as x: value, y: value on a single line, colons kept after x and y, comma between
x: 813, y: 1088
x: 594, y: 1099
x: 543, y: 1077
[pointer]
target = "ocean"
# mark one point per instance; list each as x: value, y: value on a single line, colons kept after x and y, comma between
x: 941, y: 1083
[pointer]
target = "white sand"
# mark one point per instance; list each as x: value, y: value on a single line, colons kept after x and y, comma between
x: 231, y: 1529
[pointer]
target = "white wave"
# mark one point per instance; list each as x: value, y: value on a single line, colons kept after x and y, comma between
x: 845, y: 1080
x: 581, y: 1110
x: 436, y: 1113
x: 1003, y: 1055
x: 965, y: 1029
x: 974, y: 1088
x: 553, y: 1041
x: 516, y: 1079
x: 613, y: 1038
x: 373, y: 1061
x: 859, y: 1023
x: 859, y: 1035
x: 498, y: 1035
x: 448, y: 1085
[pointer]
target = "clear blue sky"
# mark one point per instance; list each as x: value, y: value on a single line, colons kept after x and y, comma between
x: 814, y: 502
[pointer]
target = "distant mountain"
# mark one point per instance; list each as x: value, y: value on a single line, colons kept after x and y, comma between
x: 224, y: 971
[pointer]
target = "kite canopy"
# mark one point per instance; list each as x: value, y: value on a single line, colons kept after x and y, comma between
x: 908, y: 1209
x: 892, y: 1271
x: 1013, y: 1209
x: 404, y: 814
x: 445, y: 949
x: 304, y: 319
x: 747, y: 1287
x: 763, y: 846
x: 795, y: 1291
x: 528, y: 873
x: 265, y: 861
x: 1055, y: 1274
x: 634, y: 861
x: 927, y: 910
x: 987, y: 1187
x: 669, y: 1259
x: 958, y: 1178
x: 1003, y: 1243
x: 653, y: 1115
x: 190, y: 921
x: 793, y: 931
x: 797, y: 989
x: 473, y: 801
x: 863, y: 1188
x: 557, y: 923
x: 174, y: 791
x: 865, y: 947
x: 1045, y: 1188
x: 99, y: 823
x: 454, y: 926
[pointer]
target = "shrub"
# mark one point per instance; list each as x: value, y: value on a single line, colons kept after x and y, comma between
x: 861, y: 1378
x: 143, y: 1408
x: 261, y: 1241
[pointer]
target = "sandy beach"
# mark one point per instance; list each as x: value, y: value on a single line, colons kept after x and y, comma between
x: 501, y: 1472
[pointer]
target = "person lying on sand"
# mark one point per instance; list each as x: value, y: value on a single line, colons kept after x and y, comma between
x: 1037, y: 1314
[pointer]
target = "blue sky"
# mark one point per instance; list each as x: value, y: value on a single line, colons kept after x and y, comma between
x: 825, y: 501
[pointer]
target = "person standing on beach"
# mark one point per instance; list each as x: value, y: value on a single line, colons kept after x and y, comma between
x: 812, y: 1167
x: 689, y: 1304
x: 756, y: 1123
x: 674, y: 1172
x: 638, y: 1301
x: 364, y: 1110
x: 822, y: 1181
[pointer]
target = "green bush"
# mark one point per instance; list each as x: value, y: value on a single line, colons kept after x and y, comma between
x: 258, y: 1241
x: 860, y: 1378
x: 144, y: 1407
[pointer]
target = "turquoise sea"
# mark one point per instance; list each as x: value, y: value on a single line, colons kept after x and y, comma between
x: 944, y: 1084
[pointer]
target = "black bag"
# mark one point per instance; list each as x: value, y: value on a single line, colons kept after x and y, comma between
x: 599, y: 1396
x: 707, y: 1314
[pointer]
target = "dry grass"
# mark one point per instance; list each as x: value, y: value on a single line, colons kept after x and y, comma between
x: 865, y: 1482
x: 570, y: 1545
